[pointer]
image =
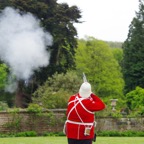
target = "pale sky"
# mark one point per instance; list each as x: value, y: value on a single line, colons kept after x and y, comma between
x: 107, y: 20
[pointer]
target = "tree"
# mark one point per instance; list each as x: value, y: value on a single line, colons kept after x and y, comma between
x: 58, y: 19
x: 133, y: 48
x: 95, y: 59
x: 5, y: 97
x: 118, y: 55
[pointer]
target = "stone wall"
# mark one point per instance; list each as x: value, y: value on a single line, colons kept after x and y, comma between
x: 48, y: 121
x: 53, y: 121
x: 120, y: 124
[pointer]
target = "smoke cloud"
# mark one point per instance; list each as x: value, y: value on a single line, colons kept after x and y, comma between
x: 23, y: 43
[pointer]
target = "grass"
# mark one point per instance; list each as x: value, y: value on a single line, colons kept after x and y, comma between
x: 63, y: 140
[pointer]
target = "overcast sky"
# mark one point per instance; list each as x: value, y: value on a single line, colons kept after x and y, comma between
x: 105, y: 19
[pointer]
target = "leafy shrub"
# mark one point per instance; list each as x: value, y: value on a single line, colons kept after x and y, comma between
x: 99, y: 133
x: 26, y: 134
x: 121, y: 134
x: 34, y: 108
x: 56, y: 90
x: 3, y: 106
x: 53, y: 134
x: 135, y: 100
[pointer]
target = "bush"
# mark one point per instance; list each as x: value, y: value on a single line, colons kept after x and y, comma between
x: 121, y: 134
x: 55, y: 92
x: 26, y: 134
x: 135, y: 99
x: 3, y: 106
x: 99, y: 133
x: 53, y: 134
x: 34, y: 108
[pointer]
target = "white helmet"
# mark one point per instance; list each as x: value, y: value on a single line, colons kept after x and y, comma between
x: 85, y: 90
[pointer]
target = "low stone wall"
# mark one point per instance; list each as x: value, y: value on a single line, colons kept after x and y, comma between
x: 48, y: 121
x: 120, y: 124
x: 53, y: 121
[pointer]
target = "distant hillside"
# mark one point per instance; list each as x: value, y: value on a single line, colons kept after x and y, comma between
x: 114, y: 44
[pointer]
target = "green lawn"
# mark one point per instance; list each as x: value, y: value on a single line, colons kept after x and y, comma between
x: 63, y: 140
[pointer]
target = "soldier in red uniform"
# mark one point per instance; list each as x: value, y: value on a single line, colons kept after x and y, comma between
x: 79, y: 126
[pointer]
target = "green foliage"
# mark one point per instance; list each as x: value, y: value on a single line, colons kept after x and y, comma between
x: 34, y: 117
x: 133, y: 63
x: 128, y: 133
x: 13, y: 110
x: 57, y: 90
x: 121, y: 133
x: 53, y: 134
x: 135, y: 100
x: 26, y: 134
x: 58, y: 19
x: 3, y: 75
x: 118, y: 55
x: 20, y: 134
x: 34, y: 108
x: 108, y: 112
x: 3, y: 106
x: 6, y: 97
x: 14, y: 124
x: 95, y: 58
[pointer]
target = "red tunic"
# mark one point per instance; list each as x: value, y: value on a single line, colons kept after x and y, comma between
x: 80, y: 114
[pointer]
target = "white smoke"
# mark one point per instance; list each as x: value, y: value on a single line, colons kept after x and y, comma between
x: 23, y: 43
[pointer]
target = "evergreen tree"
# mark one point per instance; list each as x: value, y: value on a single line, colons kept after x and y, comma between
x: 133, y: 62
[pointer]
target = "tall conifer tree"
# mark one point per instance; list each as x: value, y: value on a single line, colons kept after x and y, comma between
x: 133, y: 64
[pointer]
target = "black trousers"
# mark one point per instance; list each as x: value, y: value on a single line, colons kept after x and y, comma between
x: 75, y: 141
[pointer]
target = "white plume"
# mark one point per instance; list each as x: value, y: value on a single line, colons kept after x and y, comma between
x: 23, y: 43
